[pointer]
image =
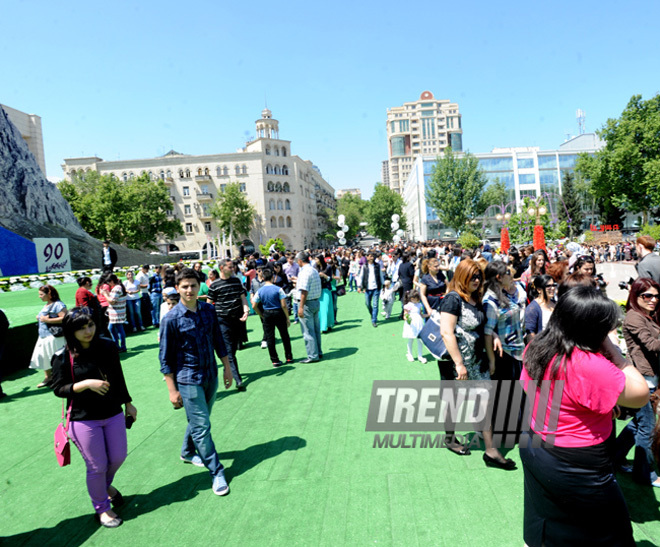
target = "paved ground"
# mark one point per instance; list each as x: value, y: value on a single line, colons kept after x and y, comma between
x: 301, y: 467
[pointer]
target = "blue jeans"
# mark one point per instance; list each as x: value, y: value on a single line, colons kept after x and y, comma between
x: 118, y: 335
x: 198, y: 401
x: 352, y: 283
x: 371, y: 300
x: 639, y: 433
x: 310, y: 325
x: 133, y: 308
x: 156, y: 301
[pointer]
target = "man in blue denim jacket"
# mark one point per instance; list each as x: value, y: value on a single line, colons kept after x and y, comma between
x: 189, y: 335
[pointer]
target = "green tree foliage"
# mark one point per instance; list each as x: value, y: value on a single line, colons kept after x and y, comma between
x: 455, y: 189
x: 133, y: 213
x: 625, y: 174
x: 468, y: 240
x: 279, y: 246
x: 494, y: 194
x: 570, y: 212
x: 233, y: 212
x: 382, y: 205
x: 653, y: 231
x: 521, y: 225
x: 353, y: 208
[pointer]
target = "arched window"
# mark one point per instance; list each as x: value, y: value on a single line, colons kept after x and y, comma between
x: 268, y: 149
x: 287, y: 205
x: 286, y: 188
x: 280, y: 222
x: 273, y: 222
x: 169, y: 174
x: 124, y: 176
x: 271, y: 186
x: 277, y: 151
x: 244, y: 169
x: 162, y: 175
x: 284, y: 151
x: 269, y: 169
x: 288, y: 222
x: 131, y: 175
x: 218, y: 171
x: 278, y: 171
x: 279, y: 205
x: 225, y: 170
x: 151, y: 175
x: 237, y: 169
x: 206, y: 171
x: 180, y: 173
x: 271, y: 205
x: 199, y: 171
x: 285, y: 170
x: 278, y: 186
x: 187, y: 173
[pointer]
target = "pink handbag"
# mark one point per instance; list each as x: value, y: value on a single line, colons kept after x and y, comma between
x: 62, y: 448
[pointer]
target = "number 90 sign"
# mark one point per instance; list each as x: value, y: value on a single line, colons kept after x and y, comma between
x: 52, y: 254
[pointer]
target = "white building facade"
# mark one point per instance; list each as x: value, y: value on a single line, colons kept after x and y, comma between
x: 419, y: 128
x: 29, y: 126
x: 527, y: 172
x: 288, y: 193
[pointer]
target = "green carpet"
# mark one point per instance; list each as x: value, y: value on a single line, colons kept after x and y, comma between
x: 301, y: 467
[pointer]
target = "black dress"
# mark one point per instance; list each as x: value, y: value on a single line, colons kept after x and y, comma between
x: 435, y: 289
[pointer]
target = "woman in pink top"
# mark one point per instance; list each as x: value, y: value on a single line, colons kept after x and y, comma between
x: 574, y: 377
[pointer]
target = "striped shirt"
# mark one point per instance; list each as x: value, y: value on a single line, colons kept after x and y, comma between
x: 117, y: 306
x: 225, y: 295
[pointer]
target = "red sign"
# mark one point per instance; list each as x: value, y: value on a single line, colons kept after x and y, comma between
x: 604, y: 228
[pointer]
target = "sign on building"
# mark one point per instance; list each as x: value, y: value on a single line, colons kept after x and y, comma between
x: 52, y: 254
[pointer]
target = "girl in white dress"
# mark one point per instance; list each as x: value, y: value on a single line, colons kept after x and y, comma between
x: 413, y: 323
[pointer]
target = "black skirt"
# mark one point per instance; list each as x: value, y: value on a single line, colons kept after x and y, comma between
x: 572, y: 498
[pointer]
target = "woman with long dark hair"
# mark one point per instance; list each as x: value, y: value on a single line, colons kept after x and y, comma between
x: 571, y: 495
x: 87, y: 372
x: 117, y: 312
x: 641, y: 330
x: 541, y: 293
x: 47, y: 344
x: 537, y: 264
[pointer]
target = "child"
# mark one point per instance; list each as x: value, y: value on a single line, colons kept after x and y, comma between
x: 387, y: 297
x: 413, y: 323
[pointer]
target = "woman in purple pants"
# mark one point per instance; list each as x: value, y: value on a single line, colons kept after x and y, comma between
x: 87, y: 372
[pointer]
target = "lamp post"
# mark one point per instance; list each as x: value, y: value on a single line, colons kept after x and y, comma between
x: 538, y: 211
x: 502, y: 216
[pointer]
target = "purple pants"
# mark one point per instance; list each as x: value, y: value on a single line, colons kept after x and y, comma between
x: 102, y: 444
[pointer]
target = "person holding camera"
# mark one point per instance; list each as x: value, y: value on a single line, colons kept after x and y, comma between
x: 88, y: 373
x: 649, y: 264
x: 587, y: 265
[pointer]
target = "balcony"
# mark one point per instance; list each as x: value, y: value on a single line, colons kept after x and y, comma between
x: 203, y: 178
x: 204, y: 196
x: 205, y: 215
x: 168, y: 180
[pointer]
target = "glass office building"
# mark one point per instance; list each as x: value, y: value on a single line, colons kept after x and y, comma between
x: 525, y: 172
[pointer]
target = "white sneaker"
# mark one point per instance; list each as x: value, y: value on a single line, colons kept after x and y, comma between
x: 220, y: 486
x: 422, y: 360
x: 264, y: 344
x: 410, y: 357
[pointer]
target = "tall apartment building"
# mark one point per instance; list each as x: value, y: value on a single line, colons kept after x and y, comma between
x: 287, y: 192
x: 29, y: 126
x: 423, y: 127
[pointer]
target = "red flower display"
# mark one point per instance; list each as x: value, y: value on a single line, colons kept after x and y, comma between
x: 539, y: 238
x: 505, y: 243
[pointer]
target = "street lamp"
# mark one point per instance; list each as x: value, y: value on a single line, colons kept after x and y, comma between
x: 539, y: 236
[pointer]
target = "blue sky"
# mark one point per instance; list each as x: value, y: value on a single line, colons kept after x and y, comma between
x: 135, y: 79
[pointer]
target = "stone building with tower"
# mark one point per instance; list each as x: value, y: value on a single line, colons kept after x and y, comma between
x: 289, y: 194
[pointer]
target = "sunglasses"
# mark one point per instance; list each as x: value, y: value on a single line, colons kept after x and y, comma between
x: 476, y: 277
x: 647, y: 296
x: 551, y: 286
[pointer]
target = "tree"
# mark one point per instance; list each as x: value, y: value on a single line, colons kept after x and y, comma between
x: 233, y: 212
x: 570, y: 211
x: 494, y: 194
x: 521, y: 225
x: 354, y: 210
x: 133, y: 213
x: 455, y: 189
x: 279, y: 246
x: 625, y: 174
x: 383, y: 204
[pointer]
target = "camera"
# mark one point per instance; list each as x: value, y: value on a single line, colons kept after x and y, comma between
x: 625, y: 285
x: 601, y: 282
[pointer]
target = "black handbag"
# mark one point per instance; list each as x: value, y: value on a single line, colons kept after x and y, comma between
x: 341, y: 290
x: 55, y: 330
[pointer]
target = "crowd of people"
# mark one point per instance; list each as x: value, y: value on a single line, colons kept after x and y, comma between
x: 526, y: 314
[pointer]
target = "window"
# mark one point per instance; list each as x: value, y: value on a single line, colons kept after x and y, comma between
x: 206, y: 171
x: 278, y: 171
x: 285, y: 170
x: 187, y: 210
x: 287, y: 205
x: 189, y: 228
x: 243, y: 187
x: 547, y: 162
x: 225, y: 170
x: 223, y: 187
x: 218, y: 171
x: 162, y: 175
x: 301, y: 190
x: 288, y: 222
x: 244, y: 169
x: 180, y: 173
x: 207, y: 226
x: 271, y: 205
x: 169, y: 174
x: 567, y: 161
x: 527, y: 179
x: 187, y: 173
x: 206, y: 210
x: 278, y: 186
x: 124, y: 176
x: 271, y: 186
x: 131, y: 175
x: 284, y: 151
x: 237, y: 169
x: 273, y: 222
x: 267, y: 150
x: 525, y: 163
x: 269, y: 169
x: 279, y: 205
x: 280, y: 222
x: 277, y: 151
x: 205, y: 188
x: 186, y: 190
x: 286, y: 188
x: 199, y: 171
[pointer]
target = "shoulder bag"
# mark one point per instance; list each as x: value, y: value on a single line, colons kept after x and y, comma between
x: 62, y: 447
x: 56, y: 330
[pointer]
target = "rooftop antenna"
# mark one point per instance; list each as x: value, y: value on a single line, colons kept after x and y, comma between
x: 581, y: 116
